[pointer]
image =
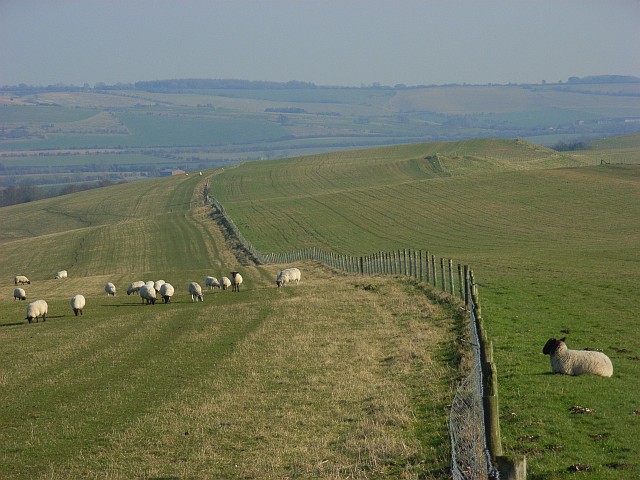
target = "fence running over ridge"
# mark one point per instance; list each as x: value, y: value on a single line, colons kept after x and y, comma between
x: 476, y: 450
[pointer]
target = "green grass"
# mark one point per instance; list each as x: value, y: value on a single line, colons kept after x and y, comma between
x: 553, y: 248
x: 308, y: 381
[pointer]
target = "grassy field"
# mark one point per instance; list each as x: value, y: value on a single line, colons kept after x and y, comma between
x: 320, y: 380
x: 556, y: 251
x: 553, y: 241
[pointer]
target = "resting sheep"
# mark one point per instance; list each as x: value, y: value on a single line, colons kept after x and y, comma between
x: 110, y: 289
x: 211, y: 282
x: 225, y: 283
x: 576, y: 362
x: 148, y: 293
x: 19, y: 294
x: 77, y: 303
x: 36, y: 309
x: 288, y: 275
x: 134, y: 287
x: 61, y: 274
x: 236, y: 281
x: 195, y: 291
x: 21, y: 279
x: 166, y: 292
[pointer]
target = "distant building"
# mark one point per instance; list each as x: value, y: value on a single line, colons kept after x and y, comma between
x: 168, y: 172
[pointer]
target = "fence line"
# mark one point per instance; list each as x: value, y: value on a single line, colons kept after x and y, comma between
x: 474, y: 428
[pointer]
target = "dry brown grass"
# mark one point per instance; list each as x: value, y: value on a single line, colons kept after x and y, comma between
x: 338, y: 381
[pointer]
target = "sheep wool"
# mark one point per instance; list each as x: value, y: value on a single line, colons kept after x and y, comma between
x: 61, y: 274
x: 148, y: 294
x: 19, y: 294
x: 110, y: 289
x: 134, y: 287
x: 236, y: 281
x: 576, y: 362
x: 157, y: 284
x: 166, y: 292
x: 211, y: 282
x: 21, y: 280
x: 36, y: 309
x: 288, y: 275
x: 77, y: 303
x: 195, y: 290
x: 225, y: 283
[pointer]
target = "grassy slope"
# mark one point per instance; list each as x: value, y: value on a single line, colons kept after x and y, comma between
x: 555, y: 250
x: 324, y: 380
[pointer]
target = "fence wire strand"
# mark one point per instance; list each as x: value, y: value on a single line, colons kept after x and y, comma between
x: 470, y: 458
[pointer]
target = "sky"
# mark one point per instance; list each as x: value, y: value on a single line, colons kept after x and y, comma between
x: 326, y: 42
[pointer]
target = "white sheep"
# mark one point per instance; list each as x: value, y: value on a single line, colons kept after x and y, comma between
x: 576, y: 362
x: 157, y: 284
x: 148, y: 294
x: 236, y: 281
x: 36, y: 309
x: 110, y: 289
x: 77, y: 303
x: 288, y: 275
x: 150, y: 284
x: 211, y: 282
x: 21, y: 279
x: 61, y: 274
x: 195, y: 291
x: 19, y: 294
x: 134, y: 287
x: 225, y: 283
x: 166, y: 292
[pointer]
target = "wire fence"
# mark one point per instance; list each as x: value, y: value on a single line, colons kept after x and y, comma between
x: 473, y: 420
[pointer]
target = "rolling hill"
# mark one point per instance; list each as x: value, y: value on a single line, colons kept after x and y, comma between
x: 552, y: 239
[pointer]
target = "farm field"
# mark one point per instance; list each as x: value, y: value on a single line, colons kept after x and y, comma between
x: 195, y: 125
x: 552, y: 238
x: 324, y: 379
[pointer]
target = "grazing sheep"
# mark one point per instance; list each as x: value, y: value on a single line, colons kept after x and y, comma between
x: 288, y: 275
x: 149, y: 294
x: 166, y: 291
x: 110, y: 289
x: 61, y: 274
x: 36, y: 309
x: 134, y: 287
x: 157, y: 284
x: 21, y: 279
x: 77, y: 303
x: 19, y: 294
x: 225, y: 283
x: 236, y: 281
x: 211, y: 282
x: 195, y: 291
x: 576, y: 362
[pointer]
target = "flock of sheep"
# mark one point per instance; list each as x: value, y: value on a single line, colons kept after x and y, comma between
x: 563, y: 360
x: 148, y: 291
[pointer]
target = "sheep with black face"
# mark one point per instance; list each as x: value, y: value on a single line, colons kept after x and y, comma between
x: 576, y: 362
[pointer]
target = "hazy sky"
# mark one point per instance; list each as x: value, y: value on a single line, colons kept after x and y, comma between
x: 327, y: 42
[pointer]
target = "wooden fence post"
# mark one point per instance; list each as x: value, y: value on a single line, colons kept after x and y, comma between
x: 433, y: 265
x: 442, y: 274
x: 451, y: 276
